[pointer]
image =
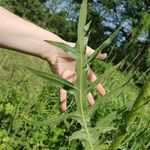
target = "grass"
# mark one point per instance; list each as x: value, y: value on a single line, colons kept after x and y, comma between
x: 21, y: 94
x: 27, y: 104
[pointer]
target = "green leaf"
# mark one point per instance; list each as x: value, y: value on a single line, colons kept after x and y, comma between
x: 100, y: 78
x: 68, y: 49
x: 103, y: 46
x: 81, y: 135
x: 81, y: 26
x: 142, y: 99
x: 86, y: 38
x: 50, y: 120
x: 129, y: 116
x: 104, y: 76
x: 86, y: 27
x: 52, y: 78
x: 102, y: 147
x: 104, y: 124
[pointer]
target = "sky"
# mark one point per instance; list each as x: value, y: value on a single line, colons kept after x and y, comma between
x: 109, y: 19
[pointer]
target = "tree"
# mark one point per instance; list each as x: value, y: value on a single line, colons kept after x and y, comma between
x: 133, y: 38
x: 32, y: 10
x: 60, y: 17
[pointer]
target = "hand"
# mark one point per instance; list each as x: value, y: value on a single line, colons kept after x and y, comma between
x: 31, y: 40
x: 64, y: 66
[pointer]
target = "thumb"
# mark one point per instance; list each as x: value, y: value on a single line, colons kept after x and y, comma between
x: 90, y: 51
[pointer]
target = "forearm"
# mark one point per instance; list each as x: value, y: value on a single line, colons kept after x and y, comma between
x: 20, y: 35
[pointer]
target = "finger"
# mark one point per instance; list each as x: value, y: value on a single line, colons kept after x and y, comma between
x: 71, y: 78
x: 102, y: 56
x: 100, y: 89
x: 90, y: 99
x: 69, y: 75
x: 92, y: 77
x: 66, y: 74
x: 63, y: 100
x: 90, y: 51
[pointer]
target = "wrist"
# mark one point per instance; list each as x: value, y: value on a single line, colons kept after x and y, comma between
x: 52, y: 53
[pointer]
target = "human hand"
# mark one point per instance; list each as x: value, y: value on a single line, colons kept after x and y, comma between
x: 64, y: 66
x: 31, y: 40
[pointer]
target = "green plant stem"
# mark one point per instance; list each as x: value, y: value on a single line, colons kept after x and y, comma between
x: 84, y: 122
x: 81, y: 97
x: 130, y: 114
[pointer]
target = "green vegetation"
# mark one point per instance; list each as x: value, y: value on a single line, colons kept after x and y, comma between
x: 29, y: 107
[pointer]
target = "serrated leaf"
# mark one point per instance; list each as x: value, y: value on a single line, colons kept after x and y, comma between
x: 17, y: 124
x: 68, y: 49
x: 53, y: 79
x: 100, y: 78
x: 81, y: 25
x: 80, y: 135
x: 86, y: 38
x: 102, y: 147
x: 84, y: 137
x: 104, y: 76
x: 86, y: 27
x: 106, y: 121
x: 50, y: 120
x: 82, y: 19
x: 103, y: 46
x: 104, y: 125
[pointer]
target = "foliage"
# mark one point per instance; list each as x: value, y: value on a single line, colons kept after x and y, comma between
x: 111, y: 13
x: 34, y: 108
x: 29, y: 109
x: 32, y: 10
x: 60, y: 17
x: 89, y: 135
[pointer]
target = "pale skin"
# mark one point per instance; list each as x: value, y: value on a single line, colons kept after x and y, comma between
x: 22, y: 36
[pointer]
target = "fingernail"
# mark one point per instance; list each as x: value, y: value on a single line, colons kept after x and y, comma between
x: 63, y: 105
x: 102, y: 56
x: 101, y: 90
x: 90, y: 99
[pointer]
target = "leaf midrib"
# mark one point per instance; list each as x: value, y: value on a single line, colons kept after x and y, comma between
x: 81, y: 101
